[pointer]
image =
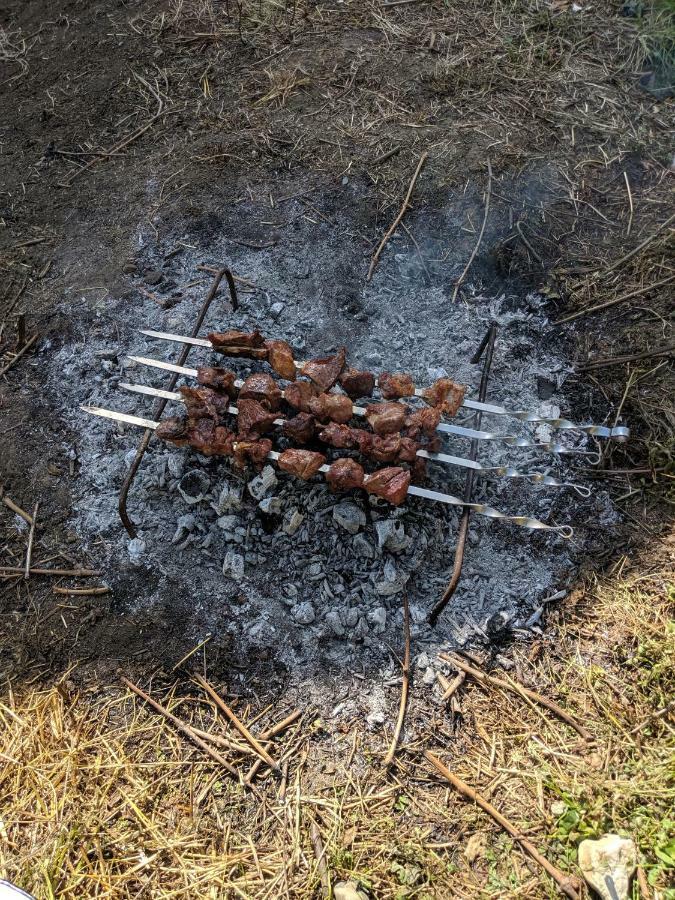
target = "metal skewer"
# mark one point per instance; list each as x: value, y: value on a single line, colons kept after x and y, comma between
x: 619, y: 432
x: 498, y: 471
x: 481, y: 508
x: 510, y: 440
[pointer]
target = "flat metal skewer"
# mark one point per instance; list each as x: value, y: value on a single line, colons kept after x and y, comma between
x: 482, y: 509
x: 511, y: 440
x: 498, y: 471
x: 619, y: 432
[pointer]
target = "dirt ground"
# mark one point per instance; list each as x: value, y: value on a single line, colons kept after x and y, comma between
x: 134, y: 123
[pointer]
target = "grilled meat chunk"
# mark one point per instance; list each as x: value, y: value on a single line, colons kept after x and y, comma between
x: 210, y: 439
x: 386, y: 418
x: 391, y: 484
x: 218, y: 379
x: 254, y: 420
x: 174, y: 429
x: 345, y: 475
x: 363, y: 440
x: 356, y: 383
x: 301, y: 463
x: 446, y: 395
x: 300, y: 428
x: 408, y: 450
x: 254, y: 452
x: 204, y: 403
x: 325, y: 371
x: 331, y: 407
x: 385, y: 449
x: 342, y: 437
x: 239, y: 343
x: 423, y: 422
x: 299, y: 394
x: 264, y: 389
x: 280, y: 357
x: 396, y: 385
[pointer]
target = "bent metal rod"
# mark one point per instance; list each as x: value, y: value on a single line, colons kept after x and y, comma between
x: 498, y: 471
x: 482, y: 509
x: 619, y: 432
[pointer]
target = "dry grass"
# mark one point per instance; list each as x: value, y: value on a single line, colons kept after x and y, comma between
x: 100, y: 798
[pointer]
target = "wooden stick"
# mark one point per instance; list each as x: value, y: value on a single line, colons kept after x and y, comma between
x: 629, y: 296
x: 17, y: 356
x: 515, y: 688
x: 57, y: 573
x: 82, y: 592
x: 223, y: 741
x: 268, y: 735
x: 31, y: 536
x: 641, y: 246
x: 451, y: 688
x: 394, y: 224
x: 480, y: 236
x: 633, y: 357
x: 389, y: 758
x: 238, y: 724
x: 567, y: 883
x: 186, y: 729
x: 10, y: 504
x: 320, y: 854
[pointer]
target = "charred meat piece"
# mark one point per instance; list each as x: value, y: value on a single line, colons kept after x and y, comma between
x: 204, y: 403
x: 385, y: 449
x: 264, y: 389
x: 174, y: 429
x: 331, y: 408
x: 446, y: 395
x: 356, y: 383
x: 218, y: 379
x: 239, y: 343
x: 254, y: 452
x: 210, y: 439
x: 280, y: 357
x: 408, y: 450
x: 301, y: 463
x: 300, y: 428
x: 396, y: 385
x: 363, y: 440
x: 391, y: 484
x: 418, y: 471
x: 299, y: 394
x: 326, y: 371
x: 386, y: 418
x: 345, y: 475
x: 423, y: 422
x: 342, y: 437
x: 254, y: 420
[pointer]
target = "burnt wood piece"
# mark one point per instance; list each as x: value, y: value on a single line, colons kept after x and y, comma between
x: 254, y: 452
x: 446, y: 395
x: 280, y: 357
x: 423, y: 422
x: 395, y: 385
x: 205, y: 403
x: 386, y: 418
x: 391, y: 484
x: 345, y: 475
x: 239, y: 343
x: 299, y: 428
x: 299, y: 394
x: 254, y: 420
x: 325, y: 371
x: 264, y: 389
x: 356, y: 383
x: 218, y: 379
x: 331, y: 408
x: 301, y: 463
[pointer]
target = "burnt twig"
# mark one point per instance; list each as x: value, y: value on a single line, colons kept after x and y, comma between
x: 10, y: 504
x: 480, y: 236
x: 389, y: 758
x: 320, y: 853
x: 268, y: 735
x: 487, y: 345
x: 632, y: 357
x: 17, y: 356
x: 31, y: 537
x: 567, y: 883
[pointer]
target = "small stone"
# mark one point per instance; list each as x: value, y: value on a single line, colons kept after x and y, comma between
x: 271, y: 506
x: 348, y: 890
x: 429, y: 676
x: 334, y: 622
x: 276, y: 309
x: 375, y: 718
x: 233, y: 565
x: 349, y: 516
x: 362, y: 547
x: 136, y: 550
x: 262, y: 483
x: 608, y: 865
x: 194, y: 486
x: 292, y: 521
x: 153, y: 276
x: 228, y: 523
x: 303, y: 613
x: 391, y: 536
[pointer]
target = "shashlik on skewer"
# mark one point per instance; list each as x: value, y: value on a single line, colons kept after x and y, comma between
x: 346, y: 470
x: 618, y: 432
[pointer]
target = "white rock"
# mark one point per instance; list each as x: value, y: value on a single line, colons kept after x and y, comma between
x: 233, y: 565
x: 348, y: 890
x: 349, y: 517
x: 262, y: 483
x: 429, y: 676
x: 303, y: 613
x: 608, y: 865
x: 377, y: 717
x: 136, y: 550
